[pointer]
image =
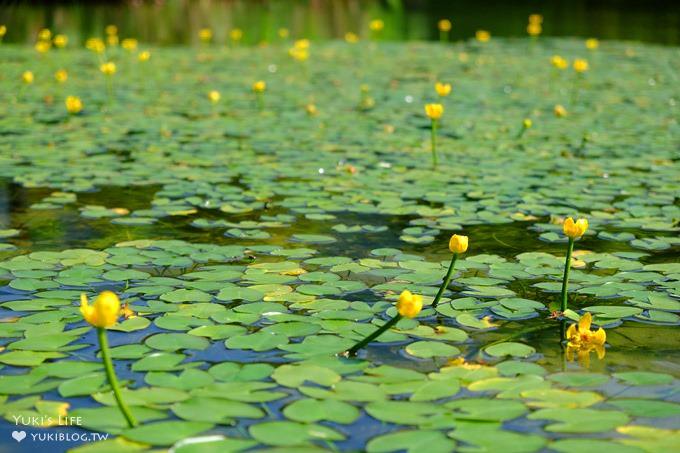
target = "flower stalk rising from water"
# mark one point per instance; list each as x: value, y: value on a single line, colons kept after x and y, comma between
x: 457, y: 244
x: 573, y: 230
x: 408, y: 306
x: 102, y: 314
x: 434, y: 112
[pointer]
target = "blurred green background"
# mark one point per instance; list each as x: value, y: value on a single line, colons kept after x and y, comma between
x: 173, y: 22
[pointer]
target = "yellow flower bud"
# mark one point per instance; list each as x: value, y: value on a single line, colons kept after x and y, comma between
x: 60, y: 41
x: 129, y: 44
x: 535, y: 19
x: 458, y: 243
x: 205, y: 34
x: 444, y: 25
x: 311, y: 109
x: 482, y: 36
x: 27, y: 77
x: 236, y: 34
x: 409, y: 305
x: 144, y: 56
x: 351, y: 37
x: 592, y: 43
x: 575, y: 229
x: 214, y: 96
x: 103, y: 312
x: 559, y: 111
x: 434, y: 111
x: 559, y: 62
x: 442, y: 89
x: 73, y: 104
x: 527, y: 123
x: 534, y: 29
x: 580, y: 65
x: 260, y: 86
x: 61, y: 75
x: 45, y: 34
x: 376, y: 25
x: 108, y: 68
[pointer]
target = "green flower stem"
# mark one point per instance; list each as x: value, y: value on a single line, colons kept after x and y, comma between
x: 353, y: 350
x: 260, y: 101
x: 565, y: 279
x: 446, y: 281
x: 111, y: 376
x: 434, y: 143
x: 443, y: 36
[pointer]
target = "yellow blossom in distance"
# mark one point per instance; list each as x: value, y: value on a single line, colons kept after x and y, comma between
x: 534, y: 29
x: 482, y: 36
x: 444, y: 25
x: 3, y: 30
x: 458, y: 243
x: 111, y: 30
x: 434, y: 111
x: 535, y: 19
x: 559, y: 62
x: 45, y: 34
x: 129, y: 44
x: 112, y: 40
x: 104, y: 312
x: 442, y: 89
x: 205, y: 34
x: 560, y: 111
x: 236, y: 34
x: 283, y: 33
x: 60, y: 41
x: 108, y: 68
x: 527, y: 123
x: 580, y: 65
x: 61, y: 75
x: 575, y: 229
x: 592, y: 43
x: 260, y: 86
x: 144, y: 55
x: 351, y: 38
x: 583, y: 341
x: 299, y: 53
x: 95, y: 44
x: 409, y: 305
x: 376, y: 25
x: 311, y: 110
x: 27, y: 77
x: 43, y: 46
x: 73, y: 104
x: 214, y: 96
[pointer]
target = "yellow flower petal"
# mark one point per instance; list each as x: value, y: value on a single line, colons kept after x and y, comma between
x: 584, y: 322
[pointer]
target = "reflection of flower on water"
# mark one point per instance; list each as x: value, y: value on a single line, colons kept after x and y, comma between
x: 582, y: 341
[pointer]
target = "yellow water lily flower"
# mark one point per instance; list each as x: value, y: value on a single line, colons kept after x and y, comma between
x: 45, y: 34
x: 434, y: 111
x: 582, y: 341
x: 299, y: 53
x: 3, y: 30
x: 111, y: 30
x: 73, y: 104
x: 376, y: 25
x: 442, y: 89
x: 60, y: 41
x: 108, y: 68
x: 559, y: 62
x: 592, y: 43
x: 527, y: 123
x: 61, y: 75
x: 535, y: 19
x: 444, y: 25
x: 482, y: 36
x: 560, y: 111
x: 95, y: 44
x: 205, y: 34
x: 458, y: 243
x: 260, y: 86
x: 311, y: 110
x: 112, y: 40
x: 27, y: 77
x: 104, y: 312
x: 214, y: 96
x: 581, y: 65
x: 534, y: 29
x: 409, y: 305
x: 43, y: 46
x: 575, y: 229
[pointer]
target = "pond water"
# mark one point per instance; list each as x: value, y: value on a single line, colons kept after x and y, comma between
x: 256, y: 240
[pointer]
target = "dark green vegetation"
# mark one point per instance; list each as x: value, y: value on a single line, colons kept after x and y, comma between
x: 260, y: 243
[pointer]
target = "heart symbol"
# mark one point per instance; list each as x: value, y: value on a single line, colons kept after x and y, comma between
x: 19, y: 435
